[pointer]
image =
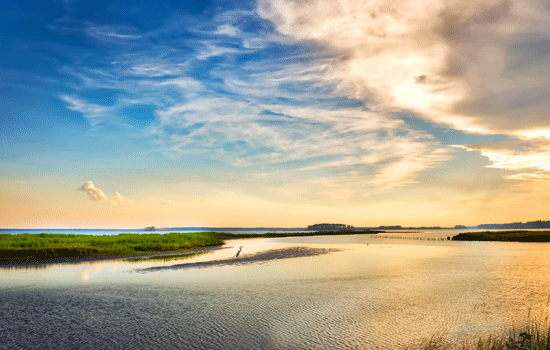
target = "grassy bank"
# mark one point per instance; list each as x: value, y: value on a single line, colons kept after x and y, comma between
x: 533, y: 336
x: 505, y: 236
x: 48, y: 246
x: 30, y: 248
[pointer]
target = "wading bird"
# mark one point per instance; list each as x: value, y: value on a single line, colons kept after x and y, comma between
x: 239, y: 251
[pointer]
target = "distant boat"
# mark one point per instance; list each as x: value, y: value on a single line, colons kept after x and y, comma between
x: 150, y: 228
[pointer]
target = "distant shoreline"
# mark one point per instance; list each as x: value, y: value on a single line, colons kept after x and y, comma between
x: 531, y: 225
x: 46, y: 249
x: 505, y: 236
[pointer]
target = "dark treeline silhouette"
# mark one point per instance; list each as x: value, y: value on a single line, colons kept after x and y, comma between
x: 224, y: 235
x: 329, y: 227
x: 518, y: 225
x: 505, y: 236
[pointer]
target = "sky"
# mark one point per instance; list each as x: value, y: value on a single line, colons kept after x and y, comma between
x: 274, y: 113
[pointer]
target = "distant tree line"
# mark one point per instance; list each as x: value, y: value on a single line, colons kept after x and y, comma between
x: 323, y: 227
x: 514, y: 226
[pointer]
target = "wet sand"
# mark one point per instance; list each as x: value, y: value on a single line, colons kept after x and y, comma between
x: 263, y: 256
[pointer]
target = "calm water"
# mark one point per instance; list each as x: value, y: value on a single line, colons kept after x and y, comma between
x: 343, y: 292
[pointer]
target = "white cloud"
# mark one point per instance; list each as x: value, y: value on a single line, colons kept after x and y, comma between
x: 110, y: 33
x: 93, y: 192
x: 96, y: 194
x: 479, y: 66
x: 227, y: 29
x: 169, y: 202
x: 153, y: 70
x: 275, y: 117
x: 184, y: 83
x: 95, y: 114
x: 213, y: 49
x: 516, y: 155
x: 118, y: 198
x: 316, y: 139
x: 529, y: 177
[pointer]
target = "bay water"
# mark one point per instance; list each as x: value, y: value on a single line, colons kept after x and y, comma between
x: 384, y: 291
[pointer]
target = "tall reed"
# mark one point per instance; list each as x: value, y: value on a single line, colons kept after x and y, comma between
x: 534, y: 335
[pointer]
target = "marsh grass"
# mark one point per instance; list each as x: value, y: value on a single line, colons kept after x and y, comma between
x: 33, y: 248
x: 30, y: 247
x: 534, y: 335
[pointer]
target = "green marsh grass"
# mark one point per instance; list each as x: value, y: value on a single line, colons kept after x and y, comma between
x: 28, y: 247
x: 32, y: 248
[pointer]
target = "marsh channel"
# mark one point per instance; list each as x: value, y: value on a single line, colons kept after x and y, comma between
x: 384, y: 291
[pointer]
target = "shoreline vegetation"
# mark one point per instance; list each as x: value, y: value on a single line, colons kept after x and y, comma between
x: 225, y: 235
x: 504, y: 236
x: 533, y: 335
x: 43, y: 248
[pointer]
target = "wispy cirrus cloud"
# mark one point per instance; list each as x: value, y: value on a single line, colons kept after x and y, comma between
x: 107, y: 34
x: 529, y: 177
x: 227, y: 29
x: 94, y: 114
x: 265, y: 115
x: 169, y: 202
x: 153, y: 70
x: 110, y: 33
x: 378, y: 152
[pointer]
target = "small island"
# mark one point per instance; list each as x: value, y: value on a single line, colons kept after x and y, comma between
x: 504, y: 236
x: 329, y: 227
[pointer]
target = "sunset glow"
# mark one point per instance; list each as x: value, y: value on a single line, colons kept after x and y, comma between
x: 279, y: 113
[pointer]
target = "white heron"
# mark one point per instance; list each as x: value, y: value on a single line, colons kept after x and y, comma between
x: 239, y: 251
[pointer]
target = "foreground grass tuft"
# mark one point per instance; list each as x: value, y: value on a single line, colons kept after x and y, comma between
x: 533, y: 336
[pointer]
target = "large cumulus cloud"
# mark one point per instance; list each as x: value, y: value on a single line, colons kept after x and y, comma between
x: 478, y: 66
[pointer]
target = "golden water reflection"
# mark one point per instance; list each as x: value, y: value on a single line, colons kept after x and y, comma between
x: 338, y: 292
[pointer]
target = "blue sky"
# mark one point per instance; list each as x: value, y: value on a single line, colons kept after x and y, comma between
x: 286, y: 112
